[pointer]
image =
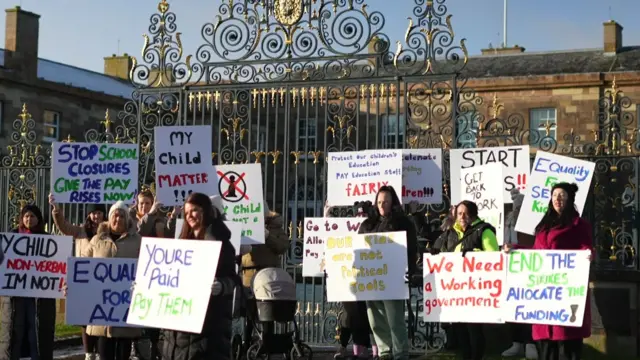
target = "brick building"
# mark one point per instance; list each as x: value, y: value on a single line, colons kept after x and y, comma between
x: 63, y: 100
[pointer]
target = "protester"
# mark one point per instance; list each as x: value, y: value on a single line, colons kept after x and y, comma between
x: 27, y: 325
x: 423, y: 228
x: 144, y: 212
x: 562, y: 228
x: 387, y: 318
x: 353, y: 321
x: 214, y: 341
x: 115, y: 238
x: 520, y: 333
x: 471, y: 234
x: 81, y: 237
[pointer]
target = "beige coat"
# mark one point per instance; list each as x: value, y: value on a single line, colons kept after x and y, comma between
x: 267, y: 255
x: 78, y: 233
x: 101, y: 246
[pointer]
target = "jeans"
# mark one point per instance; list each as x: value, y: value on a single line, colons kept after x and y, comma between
x: 32, y: 329
x: 389, y: 328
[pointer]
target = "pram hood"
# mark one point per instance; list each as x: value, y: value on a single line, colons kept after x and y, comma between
x: 273, y: 284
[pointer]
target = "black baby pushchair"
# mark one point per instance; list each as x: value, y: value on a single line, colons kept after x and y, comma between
x: 270, y: 311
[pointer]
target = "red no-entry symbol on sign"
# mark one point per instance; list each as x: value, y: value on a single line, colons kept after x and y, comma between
x: 232, y: 186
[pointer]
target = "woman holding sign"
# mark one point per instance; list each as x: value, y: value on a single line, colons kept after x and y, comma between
x: 81, y: 237
x: 27, y: 325
x: 386, y: 317
x: 562, y: 228
x: 214, y: 341
x: 115, y: 238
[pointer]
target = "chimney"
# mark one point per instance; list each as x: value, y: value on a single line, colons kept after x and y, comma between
x: 503, y: 50
x: 118, y: 66
x: 612, y: 37
x: 21, y: 43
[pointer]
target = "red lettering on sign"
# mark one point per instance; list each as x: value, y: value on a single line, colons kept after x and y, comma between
x: 471, y: 264
x: 364, y: 188
x: 182, y: 179
x: 44, y: 266
x: 437, y: 265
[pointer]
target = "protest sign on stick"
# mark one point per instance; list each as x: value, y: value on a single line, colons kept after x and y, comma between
x: 363, y: 267
x: 84, y: 173
x: 173, y: 283
x: 240, y: 187
x: 549, y: 169
x: 465, y: 289
x: 422, y: 176
x: 99, y: 291
x: 316, y: 231
x: 35, y: 265
x: 183, y: 162
x: 358, y: 175
x: 513, y: 159
x: 483, y: 186
x: 547, y: 287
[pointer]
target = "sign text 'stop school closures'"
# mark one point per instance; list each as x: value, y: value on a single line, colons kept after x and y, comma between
x: 94, y: 173
x: 183, y: 162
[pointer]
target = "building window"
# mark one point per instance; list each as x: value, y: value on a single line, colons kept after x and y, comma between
x: 539, y: 121
x: 467, y: 129
x: 393, y: 131
x: 307, y: 137
x: 51, y: 125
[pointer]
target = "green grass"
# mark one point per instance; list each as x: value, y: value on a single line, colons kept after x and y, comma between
x: 64, y: 330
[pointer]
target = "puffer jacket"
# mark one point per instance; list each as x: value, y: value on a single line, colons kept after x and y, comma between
x: 267, y: 255
x: 78, y: 233
x: 214, y: 341
x: 13, y: 335
x: 102, y: 246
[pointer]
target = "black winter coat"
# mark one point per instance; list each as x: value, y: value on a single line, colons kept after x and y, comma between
x: 397, y: 222
x: 214, y: 342
x: 14, y: 338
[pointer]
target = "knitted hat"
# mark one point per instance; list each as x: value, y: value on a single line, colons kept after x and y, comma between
x: 216, y: 201
x: 120, y: 205
x: 96, y: 207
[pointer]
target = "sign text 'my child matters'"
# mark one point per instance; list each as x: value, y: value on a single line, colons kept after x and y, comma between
x: 94, y: 173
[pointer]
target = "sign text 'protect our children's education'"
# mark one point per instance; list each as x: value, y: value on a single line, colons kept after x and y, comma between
x: 94, y: 173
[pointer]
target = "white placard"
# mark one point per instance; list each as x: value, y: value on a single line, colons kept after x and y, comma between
x: 483, y: 186
x: 358, y: 175
x: 547, y: 287
x: 467, y: 289
x: 89, y: 173
x: 549, y: 169
x: 362, y: 267
x: 34, y: 265
x: 316, y: 231
x: 183, y: 162
x: 173, y: 283
x: 515, y: 167
x: 99, y: 291
x: 422, y: 176
x: 240, y: 187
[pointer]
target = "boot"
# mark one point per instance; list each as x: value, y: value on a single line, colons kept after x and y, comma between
x: 516, y: 349
x: 531, y: 352
x: 341, y: 353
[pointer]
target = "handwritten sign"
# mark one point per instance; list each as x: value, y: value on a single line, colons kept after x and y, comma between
x: 363, y: 267
x: 549, y: 169
x: 173, y: 283
x: 515, y: 167
x: 483, y: 186
x: 183, y: 162
x: 422, y: 176
x: 464, y: 289
x: 84, y: 173
x: 358, y: 175
x: 316, y: 231
x: 99, y: 291
x: 240, y: 187
x: 34, y: 265
x: 547, y: 287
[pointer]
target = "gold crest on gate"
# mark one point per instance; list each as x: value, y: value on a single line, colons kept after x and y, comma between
x: 288, y: 12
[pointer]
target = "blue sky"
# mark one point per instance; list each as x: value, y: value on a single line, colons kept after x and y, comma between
x: 82, y: 32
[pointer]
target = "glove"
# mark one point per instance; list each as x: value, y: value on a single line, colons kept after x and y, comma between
x: 216, y: 288
x: 434, y: 251
x: 466, y: 250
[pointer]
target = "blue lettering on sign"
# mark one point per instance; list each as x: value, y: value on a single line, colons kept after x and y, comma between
x: 77, y: 272
x: 562, y: 260
x: 114, y: 272
x: 545, y: 293
x: 579, y: 172
x: 538, y: 315
x: 68, y: 152
x: 161, y: 273
x: 539, y: 192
